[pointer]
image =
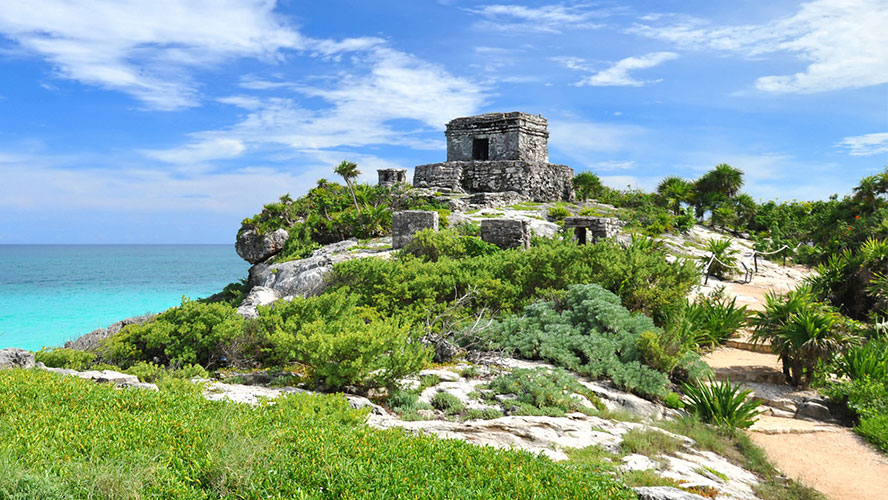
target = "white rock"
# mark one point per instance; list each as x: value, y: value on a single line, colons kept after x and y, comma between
x: 638, y: 462
x: 258, y: 296
x: 443, y: 375
x: 13, y: 357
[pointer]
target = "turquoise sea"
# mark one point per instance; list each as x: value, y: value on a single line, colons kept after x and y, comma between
x: 53, y: 293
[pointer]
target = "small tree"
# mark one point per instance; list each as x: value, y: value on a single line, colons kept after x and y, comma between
x: 349, y: 172
x: 586, y: 185
x: 672, y: 191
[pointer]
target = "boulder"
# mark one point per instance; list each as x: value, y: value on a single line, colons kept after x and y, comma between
x: 90, y: 341
x: 303, y: 277
x: 13, y: 357
x: 664, y: 493
x: 258, y: 296
x: 254, y: 247
x: 813, y: 409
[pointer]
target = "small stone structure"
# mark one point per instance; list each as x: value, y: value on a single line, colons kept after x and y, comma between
x: 506, y: 233
x: 392, y: 176
x: 599, y: 227
x: 407, y: 222
x: 498, y: 152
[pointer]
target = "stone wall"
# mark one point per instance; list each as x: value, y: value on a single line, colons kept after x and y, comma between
x: 506, y: 233
x: 392, y: 176
x: 538, y: 181
x: 511, y: 136
x: 593, y: 227
x: 407, y: 222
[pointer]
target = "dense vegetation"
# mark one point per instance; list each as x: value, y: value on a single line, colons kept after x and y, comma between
x: 331, y: 212
x: 65, y: 438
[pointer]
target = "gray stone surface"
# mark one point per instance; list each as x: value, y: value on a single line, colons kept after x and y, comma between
x: 392, y: 176
x: 90, y: 341
x: 664, y: 493
x: 258, y: 296
x: 813, y: 409
x: 498, y: 152
x: 510, y: 136
x: 303, y: 277
x: 253, y: 247
x: 13, y: 357
x: 407, y: 222
x: 506, y: 233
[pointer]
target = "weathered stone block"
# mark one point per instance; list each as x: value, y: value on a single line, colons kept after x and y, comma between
x: 506, y: 233
x: 597, y: 227
x: 498, y: 136
x: 392, y: 176
x: 407, y: 222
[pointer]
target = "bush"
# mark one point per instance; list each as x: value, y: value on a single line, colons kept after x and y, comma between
x: 867, y: 398
x: 194, y: 332
x: 869, y: 360
x: 713, y: 318
x: 591, y: 334
x: 168, y: 445
x: 483, y: 414
x: 342, y: 343
x: 558, y: 213
x: 430, y: 245
x: 60, y: 357
x: 543, y: 392
x: 448, y: 403
x: 722, y: 404
x: 673, y: 401
x: 150, y: 372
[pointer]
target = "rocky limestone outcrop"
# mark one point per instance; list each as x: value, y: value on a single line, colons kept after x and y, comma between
x: 664, y: 493
x: 123, y: 380
x: 258, y: 296
x: 13, y: 357
x: 254, y: 247
x: 91, y: 340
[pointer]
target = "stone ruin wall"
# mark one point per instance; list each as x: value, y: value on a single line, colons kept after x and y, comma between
x: 511, y: 136
x: 537, y: 181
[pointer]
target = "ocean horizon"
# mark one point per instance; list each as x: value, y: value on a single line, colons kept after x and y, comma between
x: 52, y: 293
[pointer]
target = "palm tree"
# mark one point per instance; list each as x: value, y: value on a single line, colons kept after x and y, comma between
x: 348, y: 170
x: 716, y: 186
x: 673, y: 190
x: 586, y: 185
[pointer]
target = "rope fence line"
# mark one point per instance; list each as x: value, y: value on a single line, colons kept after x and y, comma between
x: 748, y: 273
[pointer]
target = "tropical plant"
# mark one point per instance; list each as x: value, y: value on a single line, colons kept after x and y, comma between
x: 558, y: 213
x: 722, y: 404
x: 586, y: 185
x: 672, y: 191
x: 721, y: 257
x: 349, y: 172
x: 801, y: 331
x: 867, y: 360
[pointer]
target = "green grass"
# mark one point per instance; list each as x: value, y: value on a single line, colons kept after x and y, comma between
x: 649, y: 443
x: 62, y: 437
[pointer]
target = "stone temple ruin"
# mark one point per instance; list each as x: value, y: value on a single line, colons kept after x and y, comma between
x: 495, y: 153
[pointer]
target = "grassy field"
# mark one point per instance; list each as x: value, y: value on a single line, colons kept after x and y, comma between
x: 62, y: 437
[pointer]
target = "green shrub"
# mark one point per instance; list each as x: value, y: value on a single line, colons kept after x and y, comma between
x: 543, y: 392
x: 867, y: 398
x: 60, y: 357
x: 431, y: 245
x: 342, y: 343
x: 448, y: 403
x: 483, y: 414
x: 592, y: 335
x: 714, y: 318
x: 722, y: 404
x: 673, y: 400
x: 869, y: 360
x: 76, y: 439
x: 649, y: 442
x: 558, y: 213
x: 194, y: 332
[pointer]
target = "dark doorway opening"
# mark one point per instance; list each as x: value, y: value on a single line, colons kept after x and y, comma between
x: 480, y: 149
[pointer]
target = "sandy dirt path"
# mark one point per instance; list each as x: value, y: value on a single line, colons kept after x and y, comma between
x: 839, y: 464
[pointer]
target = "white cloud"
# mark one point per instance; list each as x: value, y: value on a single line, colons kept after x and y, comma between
x: 544, y: 19
x: 614, y: 165
x: 844, y: 43
x: 866, y: 145
x: 391, y: 85
x: 618, y: 74
x: 211, y: 149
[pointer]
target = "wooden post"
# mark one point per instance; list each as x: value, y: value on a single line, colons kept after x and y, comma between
x: 755, y: 258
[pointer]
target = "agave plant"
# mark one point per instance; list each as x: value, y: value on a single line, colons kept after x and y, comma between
x: 869, y: 360
x: 722, y: 404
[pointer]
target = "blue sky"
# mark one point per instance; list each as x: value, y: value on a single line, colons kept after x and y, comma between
x: 167, y: 121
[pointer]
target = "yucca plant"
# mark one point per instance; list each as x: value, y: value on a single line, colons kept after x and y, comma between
x: 722, y: 318
x: 723, y: 265
x: 721, y: 403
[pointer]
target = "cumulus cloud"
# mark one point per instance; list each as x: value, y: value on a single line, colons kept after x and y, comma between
x: 360, y: 108
x: 866, y: 145
x: 618, y: 74
x: 578, y: 139
x: 150, y: 49
x: 844, y: 43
